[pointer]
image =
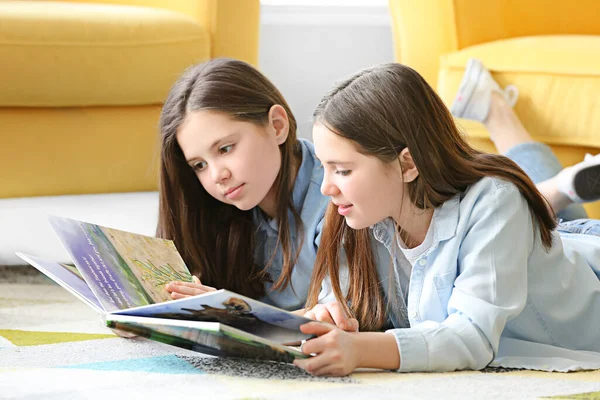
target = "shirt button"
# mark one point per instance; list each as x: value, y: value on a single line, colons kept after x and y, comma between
x: 413, y: 314
x: 422, y: 262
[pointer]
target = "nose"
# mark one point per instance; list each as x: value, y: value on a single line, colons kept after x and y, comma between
x: 328, y: 188
x: 220, y: 173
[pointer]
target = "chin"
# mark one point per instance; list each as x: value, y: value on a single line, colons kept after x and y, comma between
x: 354, y: 224
x: 245, y: 206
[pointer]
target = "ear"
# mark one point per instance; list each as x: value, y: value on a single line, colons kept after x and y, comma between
x: 279, y: 123
x: 409, y: 170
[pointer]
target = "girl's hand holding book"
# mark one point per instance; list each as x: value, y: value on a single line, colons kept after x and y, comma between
x: 180, y: 290
x: 333, y: 313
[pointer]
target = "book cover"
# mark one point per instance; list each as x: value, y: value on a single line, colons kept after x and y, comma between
x: 210, y: 338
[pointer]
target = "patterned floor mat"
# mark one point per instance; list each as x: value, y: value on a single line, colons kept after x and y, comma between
x: 54, y: 347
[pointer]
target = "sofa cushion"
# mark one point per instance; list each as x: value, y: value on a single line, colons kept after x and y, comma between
x: 67, y: 54
x: 558, y: 78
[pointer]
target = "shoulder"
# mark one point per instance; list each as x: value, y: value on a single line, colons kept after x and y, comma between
x: 493, y: 200
x: 492, y: 190
x: 488, y: 198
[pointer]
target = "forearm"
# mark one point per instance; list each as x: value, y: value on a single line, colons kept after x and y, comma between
x: 452, y: 345
x: 377, y: 350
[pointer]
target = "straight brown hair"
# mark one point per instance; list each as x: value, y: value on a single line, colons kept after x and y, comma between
x: 383, y: 110
x: 216, y: 240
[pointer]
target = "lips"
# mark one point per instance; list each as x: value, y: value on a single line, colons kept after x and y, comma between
x: 342, y: 205
x: 344, y: 209
x: 232, y: 189
x: 234, y: 192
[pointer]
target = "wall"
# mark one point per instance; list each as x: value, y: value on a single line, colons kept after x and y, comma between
x: 304, y: 49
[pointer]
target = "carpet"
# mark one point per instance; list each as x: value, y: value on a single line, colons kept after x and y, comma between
x: 53, y: 347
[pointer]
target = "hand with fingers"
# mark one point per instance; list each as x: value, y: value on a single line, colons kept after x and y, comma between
x: 180, y: 290
x: 337, y: 351
x: 333, y: 313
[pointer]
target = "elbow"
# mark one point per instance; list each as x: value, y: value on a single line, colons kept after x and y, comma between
x: 483, y: 362
x: 482, y: 357
x: 477, y: 352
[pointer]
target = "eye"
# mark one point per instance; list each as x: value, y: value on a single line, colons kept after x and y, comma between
x: 199, y: 166
x: 226, y: 149
x: 344, y: 172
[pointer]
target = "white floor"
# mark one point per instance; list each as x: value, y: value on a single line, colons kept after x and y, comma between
x: 24, y: 227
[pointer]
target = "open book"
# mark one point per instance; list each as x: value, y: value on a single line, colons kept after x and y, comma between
x: 122, y: 276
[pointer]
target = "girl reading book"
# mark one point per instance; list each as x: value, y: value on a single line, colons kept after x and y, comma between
x: 239, y: 192
x: 479, y: 272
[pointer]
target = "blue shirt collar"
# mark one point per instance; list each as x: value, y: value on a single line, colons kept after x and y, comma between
x: 309, y: 171
x: 444, y: 222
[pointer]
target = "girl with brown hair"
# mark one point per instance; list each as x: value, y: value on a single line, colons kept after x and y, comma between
x: 479, y: 274
x: 239, y: 192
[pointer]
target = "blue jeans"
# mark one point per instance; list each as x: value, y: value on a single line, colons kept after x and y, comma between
x: 539, y: 162
x: 584, y: 226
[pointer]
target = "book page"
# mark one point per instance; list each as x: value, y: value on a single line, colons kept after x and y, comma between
x: 154, y: 262
x: 66, y: 276
x: 122, y: 269
x: 240, y: 312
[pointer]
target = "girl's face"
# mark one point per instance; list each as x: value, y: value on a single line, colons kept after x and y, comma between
x: 236, y: 162
x: 365, y: 189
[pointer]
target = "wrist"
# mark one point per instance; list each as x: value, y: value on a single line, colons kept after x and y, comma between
x: 377, y: 350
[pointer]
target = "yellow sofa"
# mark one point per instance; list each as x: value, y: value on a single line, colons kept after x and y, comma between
x: 549, y: 50
x: 82, y: 82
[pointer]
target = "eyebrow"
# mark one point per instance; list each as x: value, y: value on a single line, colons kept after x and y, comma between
x: 224, y: 138
x: 336, y: 162
x: 212, y: 146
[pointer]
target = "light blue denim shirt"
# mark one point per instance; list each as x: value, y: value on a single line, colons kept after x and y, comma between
x: 485, y: 290
x: 311, y: 205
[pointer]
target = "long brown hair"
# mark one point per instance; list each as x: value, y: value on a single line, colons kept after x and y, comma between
x: 216, y: 240
x: 383, y: 110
